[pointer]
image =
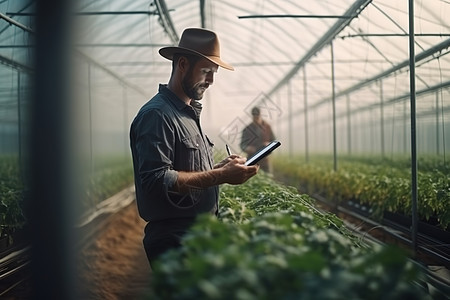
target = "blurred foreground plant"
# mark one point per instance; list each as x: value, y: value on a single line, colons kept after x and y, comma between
x: 270, y: 243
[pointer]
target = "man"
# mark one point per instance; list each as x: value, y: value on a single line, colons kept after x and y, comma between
x: 257, y: 135
x: 174, y: 171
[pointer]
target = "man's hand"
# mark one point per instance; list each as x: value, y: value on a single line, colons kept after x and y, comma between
x: 225, y: 161
x: 235, y: 172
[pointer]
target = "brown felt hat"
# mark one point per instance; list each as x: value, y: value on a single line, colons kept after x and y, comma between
x: 202, y: 42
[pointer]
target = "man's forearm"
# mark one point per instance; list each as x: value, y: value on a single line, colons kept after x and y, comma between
x: 232, y: 171
x: 196, y: 180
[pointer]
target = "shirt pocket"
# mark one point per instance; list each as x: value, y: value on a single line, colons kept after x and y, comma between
x: 190, y: 160
x: 210, y: 147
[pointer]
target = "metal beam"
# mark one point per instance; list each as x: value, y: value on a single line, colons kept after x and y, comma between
x: 110, y: 72
x: 398, y: 98
x: 354, y: 10
x: 412, y: 94
x: 15, y: 46
x: 14, y: 64
x: 21, y: 10
x: 298, y: 16
x: 166, y: 21
x: 123, y: 45
x: 333, y: 106
x: 202, y: 13
x: 104, y: 45
x: 443, y: 45
x: 425, y: 113
x: 15, y: 23
x: 405, y: 63
x: 85, y: 56
x: 393, y: 35
x: 99, y: 13
x: 92, y: 13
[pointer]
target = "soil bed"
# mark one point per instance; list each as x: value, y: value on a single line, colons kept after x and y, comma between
x: 114, y: 266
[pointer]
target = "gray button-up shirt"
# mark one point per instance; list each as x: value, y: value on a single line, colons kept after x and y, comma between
x: 166, y: 137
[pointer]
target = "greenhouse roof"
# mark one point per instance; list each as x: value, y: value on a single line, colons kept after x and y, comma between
x: 278, y: 48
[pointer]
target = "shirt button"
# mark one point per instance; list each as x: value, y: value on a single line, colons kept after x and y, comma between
x: 196, y: 145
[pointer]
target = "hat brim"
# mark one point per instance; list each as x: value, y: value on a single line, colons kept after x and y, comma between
x: 168, y: 52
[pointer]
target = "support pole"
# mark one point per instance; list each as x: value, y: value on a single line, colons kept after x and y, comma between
x: 412, y: 88
x: 305, y: 98
x: 291, y: 140
x: 19, y: 116
x: 383, y: 152
x: 125, y: 119
x: 333, y: 101
x: 91, y: 140
x: 405, y: 130
x: 202, y: 13
x: 438, y: 146
x: 349, y: 127
x: 51, y: 202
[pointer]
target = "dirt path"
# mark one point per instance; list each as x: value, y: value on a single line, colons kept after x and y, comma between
x: 115, y: 265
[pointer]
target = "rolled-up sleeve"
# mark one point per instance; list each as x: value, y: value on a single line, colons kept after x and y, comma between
x: 152, y: 142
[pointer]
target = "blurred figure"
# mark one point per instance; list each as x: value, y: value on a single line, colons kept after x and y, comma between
x: 174, y: 171
x: 257, y: 135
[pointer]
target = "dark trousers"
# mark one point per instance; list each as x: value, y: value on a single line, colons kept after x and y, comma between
x: 155, y: 247
x: 163, y: 236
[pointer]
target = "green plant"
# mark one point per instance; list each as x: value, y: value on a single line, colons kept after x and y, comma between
x: 111, y: 175
x: 270, y: 243
x: 382, y: 184
x: 11, y: 195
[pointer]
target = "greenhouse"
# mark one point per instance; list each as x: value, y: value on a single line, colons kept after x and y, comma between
x: 353, y: 204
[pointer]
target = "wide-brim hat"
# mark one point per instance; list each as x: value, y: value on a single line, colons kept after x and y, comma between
x: 198, y: 41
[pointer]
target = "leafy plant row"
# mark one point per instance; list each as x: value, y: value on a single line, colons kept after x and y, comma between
x: 271, y: 243
x: 11, y: 195
x: 111, y: 175
x: 382, y: 185
x: 426, y: 163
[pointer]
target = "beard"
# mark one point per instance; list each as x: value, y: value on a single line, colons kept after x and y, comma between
x: 194, y: 91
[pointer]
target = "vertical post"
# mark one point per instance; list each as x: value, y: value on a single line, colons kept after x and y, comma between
x: 382, y: 120
x: 333, y: 102
x: 412, y: 89
x: 278, y: 122
x: 305, y: 98
x: 372, y: 133
x: 405, y: 131
x: 291, y: 140
x: 51, y: 201
x: 19, y: 116
x: 349, y: 127
x: 437, y: 124
x: 125, y: 119
x: 202, y: 13
x: 91, y: 140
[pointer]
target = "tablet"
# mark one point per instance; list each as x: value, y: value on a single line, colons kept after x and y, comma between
x: 262, y: 153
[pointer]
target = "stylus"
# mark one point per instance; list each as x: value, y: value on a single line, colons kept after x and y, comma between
x: 228, y: 149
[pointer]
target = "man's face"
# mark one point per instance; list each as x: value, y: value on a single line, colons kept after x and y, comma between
x: 198, y: 78
x: 256, y: 117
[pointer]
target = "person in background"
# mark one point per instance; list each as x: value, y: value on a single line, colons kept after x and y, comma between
x: 255, y: 136
x: 174, y: 171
